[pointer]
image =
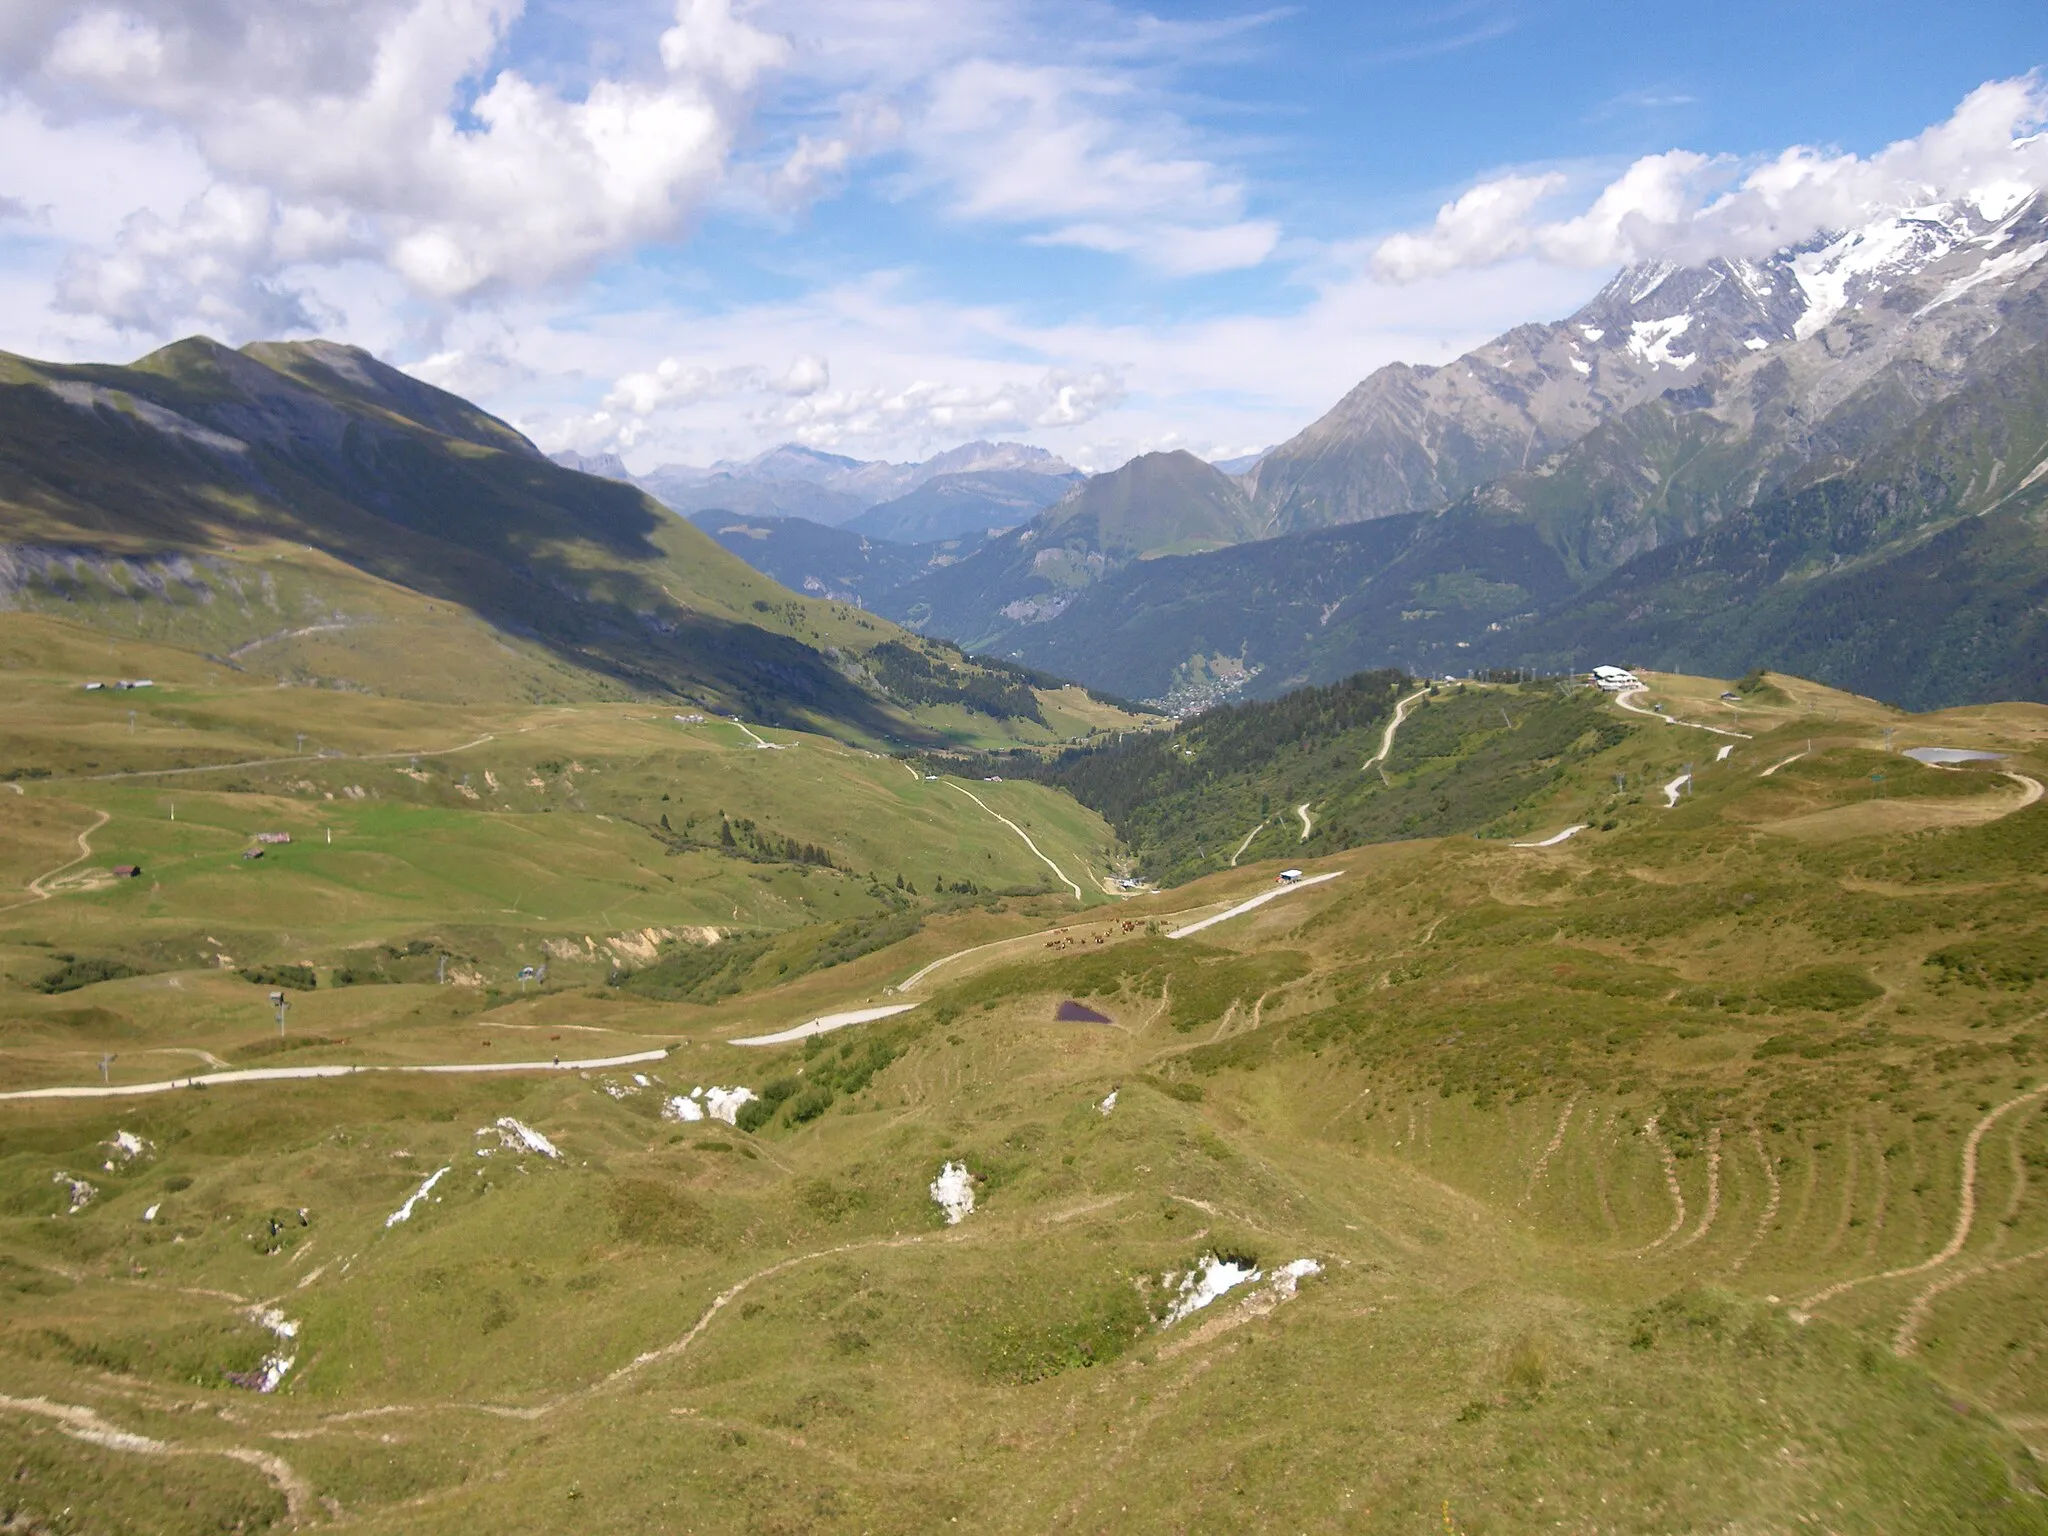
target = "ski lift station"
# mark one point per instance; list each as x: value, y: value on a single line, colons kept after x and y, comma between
x: 1615, y: 679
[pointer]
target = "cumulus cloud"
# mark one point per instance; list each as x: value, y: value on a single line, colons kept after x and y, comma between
x: 926, y: 409
x: 798, y: 402
x: 1069, y: 147
x: 387, y: 130
x: 1685, y: 206
x: 1487, y: 224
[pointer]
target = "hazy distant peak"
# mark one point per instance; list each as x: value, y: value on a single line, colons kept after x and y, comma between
x: 608, y: 465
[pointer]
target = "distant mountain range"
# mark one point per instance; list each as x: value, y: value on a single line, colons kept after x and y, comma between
x: 962, y: 491
x: 1829, y: 460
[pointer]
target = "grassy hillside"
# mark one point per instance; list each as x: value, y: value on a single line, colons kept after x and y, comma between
x: 1679, y: 1176
x: 305, y: 510
x: 1319, y: 769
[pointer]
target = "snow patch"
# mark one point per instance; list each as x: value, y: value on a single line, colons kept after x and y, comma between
x: 682, y: 1107
x: 1580, y: 366
x: 150, y: 1214
x: 1756, y: 343
x: 1650, y: 341
x: 275, y: 1364
x: 516, y: 1135
x: 127, y: 1145
x: 1210, y: 1278
x: 82, y: 1193
x: 1591, y: 332
x: 1992, y: 270
x: 404, y: 1212
x: 724, y: 1103
x: 1109, y: 1103
x: 1998, y: 200
x: 953, y: 1192
x: 1288, y: 1276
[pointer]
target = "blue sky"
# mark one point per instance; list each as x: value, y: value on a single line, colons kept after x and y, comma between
x: 688, y: 229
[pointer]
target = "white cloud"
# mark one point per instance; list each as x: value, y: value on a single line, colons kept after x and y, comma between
x: 1685, y: 206
x: 1487, y: 224
x: 1071, y: 148
x: 387, y: 129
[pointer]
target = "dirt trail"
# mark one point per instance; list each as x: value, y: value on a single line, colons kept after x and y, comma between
x: 1040, y: 852
x: 1782, y: 763
x: 1307, y: 826
x: 1966, y: 1210
x: 85, y: 1424
x: 1713, y: 1189
x: 1255, y: 831
x: 1257, y: 901
x: 266, y: 762
x: 1770, y: 1210
x: 1550, y: 1150
x: 1623, y: 699
x: 1670, y: 1184
x: 1907, y: 1338
x: 1393, y: 725
x: 35, y: 889
x: 1555, y: 838
x: 303, y: 1074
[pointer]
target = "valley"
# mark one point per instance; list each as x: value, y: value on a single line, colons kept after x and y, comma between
x: 774, y: 769
x: 1585, y: 1179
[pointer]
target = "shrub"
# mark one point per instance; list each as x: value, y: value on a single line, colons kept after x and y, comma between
x: 1826, y: 988
x: 75, y: 973
x: 652, y: 1211
x: 2015, y: 961
x: 300, y: 977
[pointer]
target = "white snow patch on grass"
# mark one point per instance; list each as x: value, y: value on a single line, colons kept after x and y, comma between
x: 1210, y: 1278
x: 1288, y: 1276
x: 276, y: 1364
x: 953, y: 1192
x: 724, y: 1103
x: 128, y: 1145
x: 1109, y: 1103
x: 404, y: 1212
x: 82, y: 1193
x: 682, y: 1107
x: 518, y: 1136
x: 150, y: 1214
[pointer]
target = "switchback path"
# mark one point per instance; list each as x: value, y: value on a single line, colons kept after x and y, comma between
x: 35, y: 890
x: 1257, y: 901
x: 1623, y: 699
x: 1307, y: 826
x: 1393, y: 725
x: 1966, y: 1210
x: 1048, y: 863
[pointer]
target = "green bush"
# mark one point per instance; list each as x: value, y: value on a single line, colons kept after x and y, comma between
x: 75, y: 973
x: 1826, y: 988
x: 300, y: 977
x: 2015, y: 961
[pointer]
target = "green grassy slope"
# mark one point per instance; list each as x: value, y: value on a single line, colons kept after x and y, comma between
x: 307, y: 507
x: 1682, y: 1176
x: 1304, y: 774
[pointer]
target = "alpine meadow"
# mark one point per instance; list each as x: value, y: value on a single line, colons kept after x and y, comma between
x: 777, y: 768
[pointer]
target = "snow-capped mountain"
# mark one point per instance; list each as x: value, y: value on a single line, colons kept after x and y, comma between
x: 1835, y: 311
